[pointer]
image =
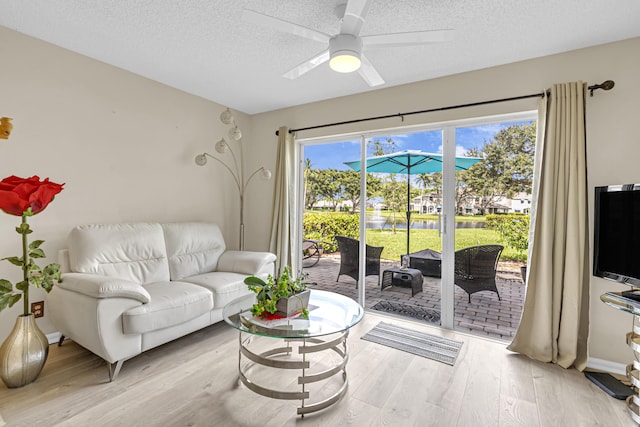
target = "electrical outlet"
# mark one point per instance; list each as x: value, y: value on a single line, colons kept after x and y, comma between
x: 37, y: 308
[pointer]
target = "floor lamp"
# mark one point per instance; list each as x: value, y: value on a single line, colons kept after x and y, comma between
x: 237, y: 168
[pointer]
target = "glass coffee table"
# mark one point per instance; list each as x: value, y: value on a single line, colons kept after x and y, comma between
x: 315, y: 349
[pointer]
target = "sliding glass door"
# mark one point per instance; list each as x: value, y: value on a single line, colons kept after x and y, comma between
x: 370, y: 200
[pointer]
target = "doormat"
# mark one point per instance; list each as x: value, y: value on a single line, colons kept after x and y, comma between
x: 419, y: 343
x: 406, y: 310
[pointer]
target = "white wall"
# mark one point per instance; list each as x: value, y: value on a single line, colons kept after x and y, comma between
x: 612, y: 139
x: 124, y: 146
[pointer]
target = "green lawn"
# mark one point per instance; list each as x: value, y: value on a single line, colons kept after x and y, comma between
x: 395, y: 245
x: 415, y: 216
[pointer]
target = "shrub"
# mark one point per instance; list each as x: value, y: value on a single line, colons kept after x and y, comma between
x: 513, y: 230
x: 323, y: 226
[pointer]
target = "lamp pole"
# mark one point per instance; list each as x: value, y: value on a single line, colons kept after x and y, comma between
x: 267, y: 175
x: 241, y: 185
x: 237, y: 173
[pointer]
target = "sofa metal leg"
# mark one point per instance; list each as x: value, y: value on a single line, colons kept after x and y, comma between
x: 60, y: 340
x: 114, y: 369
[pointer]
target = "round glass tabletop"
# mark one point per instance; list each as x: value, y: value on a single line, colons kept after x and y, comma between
x: 329, y: 313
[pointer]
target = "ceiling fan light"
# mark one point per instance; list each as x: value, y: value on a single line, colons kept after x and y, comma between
x: 345, y: 53
x: 345, y: 63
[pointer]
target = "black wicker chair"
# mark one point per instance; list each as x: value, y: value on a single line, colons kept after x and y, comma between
x: 349, y: 248
x: 475, y: 268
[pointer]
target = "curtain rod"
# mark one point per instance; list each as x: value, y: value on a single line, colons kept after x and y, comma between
x: 607, y: 85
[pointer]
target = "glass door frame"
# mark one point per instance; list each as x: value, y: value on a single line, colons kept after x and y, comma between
x: 448, y: 129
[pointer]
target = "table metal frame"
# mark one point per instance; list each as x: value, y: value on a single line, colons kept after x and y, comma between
x: 306, y: 346
x: 260, y: 346
x: 616, y: 300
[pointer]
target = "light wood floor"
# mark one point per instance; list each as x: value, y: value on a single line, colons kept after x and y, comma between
x: 193, y: 382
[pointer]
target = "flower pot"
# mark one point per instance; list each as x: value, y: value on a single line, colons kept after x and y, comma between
x: 293, y: 304
x: 23, y: 353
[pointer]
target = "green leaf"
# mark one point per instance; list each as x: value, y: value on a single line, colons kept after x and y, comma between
x: 36, y: 244
x: 22, y: 286
x: 5, y: 287
x: 14, y: 299
x: 50, y: 275
x: 37, y: 253
x: 253, y: 280
x: 14, y: 260
x: 52, y: 270
x: 4, y: 301
x: 23, y: 228
x: 47, y: 283
x: 257, y: 310
x: 270, y: 306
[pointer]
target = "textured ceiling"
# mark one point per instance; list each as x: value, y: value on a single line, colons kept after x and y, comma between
x: 204, y: 48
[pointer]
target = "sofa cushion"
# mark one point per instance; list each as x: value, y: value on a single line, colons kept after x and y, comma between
x: 134, y: 252
x: 171, y: 303
x: 225, y: 286
x: 247, y: 262
x: 192, y: 248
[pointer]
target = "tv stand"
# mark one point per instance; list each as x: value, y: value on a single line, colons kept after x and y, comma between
x: 616, y: 300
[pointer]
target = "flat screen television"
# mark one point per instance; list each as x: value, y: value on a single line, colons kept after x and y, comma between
x: 616, y: 252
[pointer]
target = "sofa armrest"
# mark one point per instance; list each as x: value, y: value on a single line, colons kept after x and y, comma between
x: 245, y: 262
x: 97, y: 286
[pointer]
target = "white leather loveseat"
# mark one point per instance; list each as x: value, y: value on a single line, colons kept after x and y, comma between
x: 127, y: 288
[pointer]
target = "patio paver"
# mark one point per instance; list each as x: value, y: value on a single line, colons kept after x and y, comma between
x: 484, y: 316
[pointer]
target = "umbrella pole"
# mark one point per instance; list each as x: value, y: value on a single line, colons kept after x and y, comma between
x: 408, y: 207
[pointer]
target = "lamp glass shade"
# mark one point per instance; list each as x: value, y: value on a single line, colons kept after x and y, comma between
x: 235, y: 134
x: 226, y: 117
x: 266, y: 174
x: 222, y: 146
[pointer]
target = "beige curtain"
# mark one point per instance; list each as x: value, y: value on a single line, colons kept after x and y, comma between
x: 284, y: 226
x: 555, y: 323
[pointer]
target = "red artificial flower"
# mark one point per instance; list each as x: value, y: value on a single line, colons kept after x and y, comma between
x: 17, y: 194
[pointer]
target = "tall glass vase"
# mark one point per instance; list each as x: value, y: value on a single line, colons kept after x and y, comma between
x: 23, y: 353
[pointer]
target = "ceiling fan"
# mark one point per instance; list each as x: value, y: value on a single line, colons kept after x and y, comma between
x: 345, y: 49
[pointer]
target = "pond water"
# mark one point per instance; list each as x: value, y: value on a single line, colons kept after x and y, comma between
x: 379, y: 223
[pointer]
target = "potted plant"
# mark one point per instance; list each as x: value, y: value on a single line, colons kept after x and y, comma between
x: 281, y: 297
x: 24, y: 352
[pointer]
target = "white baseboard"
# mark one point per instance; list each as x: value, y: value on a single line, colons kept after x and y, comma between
x: 607, y: 366
x: 53, y: 337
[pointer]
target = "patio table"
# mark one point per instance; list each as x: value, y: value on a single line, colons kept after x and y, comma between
x: 427, y: 261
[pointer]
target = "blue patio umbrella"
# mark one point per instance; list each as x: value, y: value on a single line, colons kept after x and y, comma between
x: 410, y: 162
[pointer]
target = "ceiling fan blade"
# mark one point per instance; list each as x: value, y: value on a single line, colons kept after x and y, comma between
x: 408, y: 39
x: 283, y: 26
x: 368, y: 73
x: 354, y: 15
x: 307, y: 65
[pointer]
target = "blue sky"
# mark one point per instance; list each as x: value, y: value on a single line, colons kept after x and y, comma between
x: 333, y: 155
